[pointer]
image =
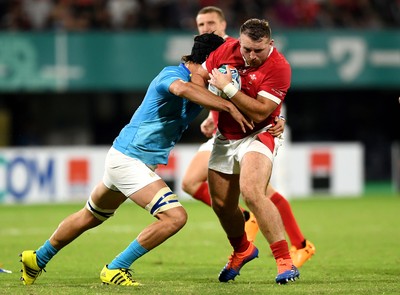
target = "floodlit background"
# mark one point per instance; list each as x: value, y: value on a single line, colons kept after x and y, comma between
x: 73, y: 72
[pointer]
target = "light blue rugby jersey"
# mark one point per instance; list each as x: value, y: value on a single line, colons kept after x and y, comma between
x: 158, y: 123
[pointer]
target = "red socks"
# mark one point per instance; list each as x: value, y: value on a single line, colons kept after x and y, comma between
x: 289, y: 221
x: 202, y: 194
x: 239, y: 244
x: 280, y: 250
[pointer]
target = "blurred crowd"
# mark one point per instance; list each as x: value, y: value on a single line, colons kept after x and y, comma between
x: 117, y: 15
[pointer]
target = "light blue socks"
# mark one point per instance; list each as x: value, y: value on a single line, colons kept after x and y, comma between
x: 45, y: 253
x: 123, y: 260
x: 128, y: 256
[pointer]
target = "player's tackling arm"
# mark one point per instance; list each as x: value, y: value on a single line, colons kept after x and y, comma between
x: 205, y: 98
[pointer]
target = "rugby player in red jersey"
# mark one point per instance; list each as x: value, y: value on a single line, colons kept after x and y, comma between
x: 241, y: 162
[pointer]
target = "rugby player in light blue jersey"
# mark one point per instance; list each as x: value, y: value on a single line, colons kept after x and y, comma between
x: 172, y: 101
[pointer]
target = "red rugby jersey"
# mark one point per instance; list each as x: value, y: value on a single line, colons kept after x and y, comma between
x: 271, y: 80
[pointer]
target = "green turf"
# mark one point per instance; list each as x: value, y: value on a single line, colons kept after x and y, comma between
x: 357, y: 240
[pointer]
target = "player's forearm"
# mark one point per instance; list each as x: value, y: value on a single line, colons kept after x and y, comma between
x: 205, y: 98
x: 252, y: 108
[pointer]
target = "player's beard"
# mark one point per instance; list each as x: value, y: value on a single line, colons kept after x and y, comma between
x: 254, y: 63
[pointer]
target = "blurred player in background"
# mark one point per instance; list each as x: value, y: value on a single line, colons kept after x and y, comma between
x: 172, y: 101
x: 212, y: 19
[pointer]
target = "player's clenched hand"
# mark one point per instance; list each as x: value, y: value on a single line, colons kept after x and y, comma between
x: 207, y: 127
x: 279, y: 126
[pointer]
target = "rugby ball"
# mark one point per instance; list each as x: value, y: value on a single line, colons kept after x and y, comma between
x: 235, y: 80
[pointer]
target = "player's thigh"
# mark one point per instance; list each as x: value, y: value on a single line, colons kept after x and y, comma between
x: 105, y: 198
x: 158, y: 199
x: 224, y: 188
x: 197, y: 169
x: 255, y: 172
x: 146, y: 194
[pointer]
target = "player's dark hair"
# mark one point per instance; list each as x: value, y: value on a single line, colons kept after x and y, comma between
x: 203, y: 45
x: 256, y: 29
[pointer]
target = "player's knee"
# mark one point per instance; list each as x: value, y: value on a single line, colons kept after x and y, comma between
x: 190, y: 186
x: 176, y: 219
x: 249, y: 193
x: 218, y: 206
x: 97, y: 212
x: 186, y: 186
x: 166, y: 207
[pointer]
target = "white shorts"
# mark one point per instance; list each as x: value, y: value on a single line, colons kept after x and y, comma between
x: 126, y: 174
x: 227, y: 154
x: 208, y: 145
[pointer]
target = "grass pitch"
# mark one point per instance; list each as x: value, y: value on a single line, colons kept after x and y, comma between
x: 357, y: 241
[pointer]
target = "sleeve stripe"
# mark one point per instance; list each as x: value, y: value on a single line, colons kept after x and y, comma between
x: 268, y: 95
